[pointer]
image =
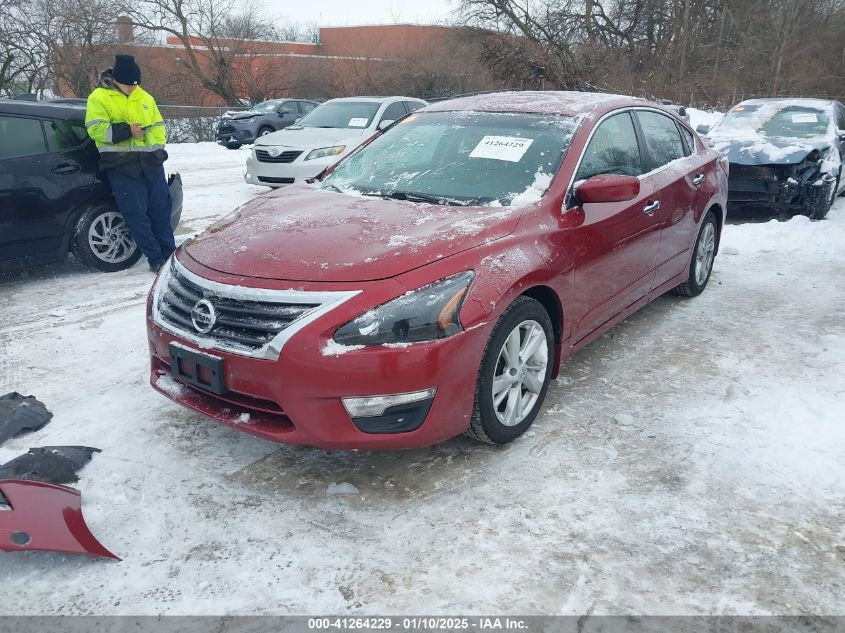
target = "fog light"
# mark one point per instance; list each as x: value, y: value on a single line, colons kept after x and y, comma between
x: 374, y: 406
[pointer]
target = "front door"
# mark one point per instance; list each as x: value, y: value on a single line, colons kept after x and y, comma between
x: 615, y: 249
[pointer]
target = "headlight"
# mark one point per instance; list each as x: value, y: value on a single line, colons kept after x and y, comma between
x: 325, y: 151
x: 425, y: 314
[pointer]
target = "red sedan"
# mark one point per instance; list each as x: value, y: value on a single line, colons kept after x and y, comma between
x: 432, y: 283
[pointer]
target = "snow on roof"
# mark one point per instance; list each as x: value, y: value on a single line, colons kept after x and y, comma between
x: 543, y: 102
x: 790, y: 101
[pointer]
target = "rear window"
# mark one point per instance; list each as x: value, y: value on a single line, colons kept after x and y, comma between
x: 20, y: 137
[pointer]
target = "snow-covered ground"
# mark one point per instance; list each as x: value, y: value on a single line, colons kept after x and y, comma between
x: 690, y: 461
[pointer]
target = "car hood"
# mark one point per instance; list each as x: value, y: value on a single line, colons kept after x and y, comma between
x: 761, y: 150
x: 302, y: 233
x: 314, y: 137
x: 240, y: 115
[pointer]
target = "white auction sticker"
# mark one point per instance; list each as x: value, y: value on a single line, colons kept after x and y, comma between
x: 807, y: 117
x: 358, y: 122
x: 510, y: 148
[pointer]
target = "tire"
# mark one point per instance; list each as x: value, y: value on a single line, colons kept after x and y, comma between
x: 233, y: 145
x: 705, y: 248
x: 101, y: 240
x: 818, y: 202
x: 264, y: 131
x: 492, y: 422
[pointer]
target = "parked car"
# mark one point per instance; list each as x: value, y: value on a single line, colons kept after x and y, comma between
x: 433, y: 281
x: 53, y: 199
x: 785, y: 154
x: 242, y: 128
x: 323, y: 137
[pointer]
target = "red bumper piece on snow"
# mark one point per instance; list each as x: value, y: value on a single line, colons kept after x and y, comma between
x: 45, y: 517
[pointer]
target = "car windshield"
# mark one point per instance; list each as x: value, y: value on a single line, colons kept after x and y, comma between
x: 460, y: 158
x: 266, y: 107
x: 775, y: 119
x: 341, y: 114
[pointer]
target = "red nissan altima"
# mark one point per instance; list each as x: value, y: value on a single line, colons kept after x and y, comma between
x: 434, y: 280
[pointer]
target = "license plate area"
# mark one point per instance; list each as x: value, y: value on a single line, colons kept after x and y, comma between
x: 201, y: 370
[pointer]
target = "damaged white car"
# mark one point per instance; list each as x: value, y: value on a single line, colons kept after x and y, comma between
x: 785, y: 154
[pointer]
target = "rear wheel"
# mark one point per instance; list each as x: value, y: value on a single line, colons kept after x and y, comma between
x: 265, y: 131
x: 514, y: 375
x: 701, y: 264
x: 101, y: 240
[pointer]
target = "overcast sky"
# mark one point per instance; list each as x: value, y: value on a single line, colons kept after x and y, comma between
x: 351, y: 12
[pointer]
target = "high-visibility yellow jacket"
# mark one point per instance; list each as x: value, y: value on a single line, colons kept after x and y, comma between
x: 108, y: 116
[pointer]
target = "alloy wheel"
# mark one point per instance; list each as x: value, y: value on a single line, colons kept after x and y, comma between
x: 109, y: 238
x: 705, y: 253
x: 520, y: 372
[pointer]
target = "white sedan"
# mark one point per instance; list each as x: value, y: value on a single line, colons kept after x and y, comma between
x: 322, y: 137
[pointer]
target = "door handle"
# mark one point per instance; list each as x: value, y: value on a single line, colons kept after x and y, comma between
x: 65, y: 168
x: 698, y: 180
x: 651, y: 207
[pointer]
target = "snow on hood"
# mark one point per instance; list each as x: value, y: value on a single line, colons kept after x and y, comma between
x: 756, y: 149
x: 302, y: 233
x: 315, y: 137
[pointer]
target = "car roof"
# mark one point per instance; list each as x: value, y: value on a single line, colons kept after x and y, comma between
x: 43, y: 109
x: 375, y: 98
x: 791, y: 101
x: 540, y: 102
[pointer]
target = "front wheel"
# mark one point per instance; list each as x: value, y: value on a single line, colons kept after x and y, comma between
x: 265, y: 131
x: 703, y: 255
x: 101, y: 240
x: 514, y: 375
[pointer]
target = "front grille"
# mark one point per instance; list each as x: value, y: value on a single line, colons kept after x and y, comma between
x: 263, y: 156
x: 753, y: 172
x: 225, y: 129
x: 244, y: 325
x: 276, y: 181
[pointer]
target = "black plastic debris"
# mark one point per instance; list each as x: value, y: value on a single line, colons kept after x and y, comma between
x: 52, y: 464
x: 21, y: 413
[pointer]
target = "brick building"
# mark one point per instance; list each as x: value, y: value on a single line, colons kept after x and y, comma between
x: 410, y: 59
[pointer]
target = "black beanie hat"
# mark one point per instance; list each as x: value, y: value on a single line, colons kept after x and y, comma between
x: 126, y: 71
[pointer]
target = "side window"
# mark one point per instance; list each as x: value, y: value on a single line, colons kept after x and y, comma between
x: 662, y: 140
x: 613, y: 149
x: 62, y: 135
x: 413, y: 106
x: 305, y: 107
x: 20, y: 137
x: 394, y: 112
x: 689, y: 140
x: 288, y: 107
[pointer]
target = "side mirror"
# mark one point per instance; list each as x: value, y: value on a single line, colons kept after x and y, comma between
x: 385, y: 123
x: 841, y: 135
x: 682, y: 112
x: 702, y: 129
x: 608, y: 188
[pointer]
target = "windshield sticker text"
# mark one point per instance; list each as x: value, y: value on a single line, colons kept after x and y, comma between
x: 509, y: 148
x: 358, y: 122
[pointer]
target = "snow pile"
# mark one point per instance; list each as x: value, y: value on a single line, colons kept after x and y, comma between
x: 534, y: 191
x: 702, y: 117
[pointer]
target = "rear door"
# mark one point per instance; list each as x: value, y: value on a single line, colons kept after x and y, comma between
x: 686, y: 177
x: 615, y: 249
x: 28, y: 224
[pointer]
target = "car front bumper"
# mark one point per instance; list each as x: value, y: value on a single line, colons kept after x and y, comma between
x: 296, y: 398
x: 281, y: 174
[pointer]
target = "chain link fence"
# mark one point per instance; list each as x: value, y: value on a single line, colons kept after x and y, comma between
x: 193, y: 124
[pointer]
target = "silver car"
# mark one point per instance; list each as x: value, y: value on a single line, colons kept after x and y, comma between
x: 322, y: 137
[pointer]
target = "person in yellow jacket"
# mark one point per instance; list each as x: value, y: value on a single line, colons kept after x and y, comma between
x: 127, y: 128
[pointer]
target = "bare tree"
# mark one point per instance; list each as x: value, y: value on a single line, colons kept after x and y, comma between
x: 221, y: 39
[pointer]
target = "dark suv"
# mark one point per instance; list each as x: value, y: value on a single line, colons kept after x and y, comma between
x: 53, y: 198
x: 241, y: 128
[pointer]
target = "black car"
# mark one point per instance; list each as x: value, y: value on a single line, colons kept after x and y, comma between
x: 241, y: 128
x: 784, y: 154
x: 53, y: 198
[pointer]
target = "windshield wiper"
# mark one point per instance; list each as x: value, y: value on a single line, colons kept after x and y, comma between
x: 417, y: 197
